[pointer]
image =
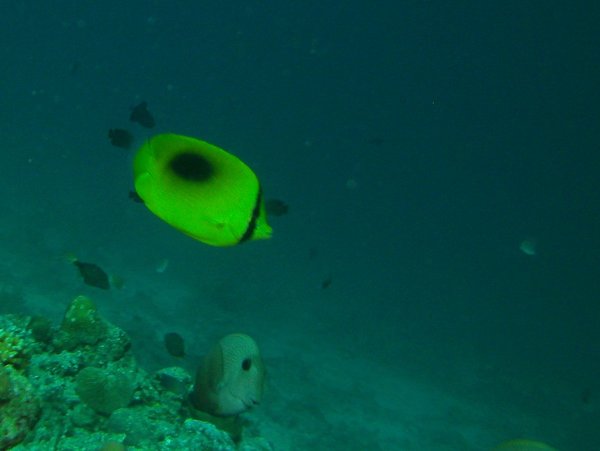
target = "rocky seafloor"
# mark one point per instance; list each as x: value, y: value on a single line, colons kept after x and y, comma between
x: 77, y: 386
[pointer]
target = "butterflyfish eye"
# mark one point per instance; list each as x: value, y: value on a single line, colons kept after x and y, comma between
x: 246, y: 364
x: 191, y: 166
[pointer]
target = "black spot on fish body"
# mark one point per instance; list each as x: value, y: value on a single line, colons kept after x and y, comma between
x: 205, y: 192
x: 327, y: 283
x: 142, y: 116
x: 174, y: 344
x: 93, y: 275
x: 192, y: 167
x: 120, y: 138
x: 246, y: 364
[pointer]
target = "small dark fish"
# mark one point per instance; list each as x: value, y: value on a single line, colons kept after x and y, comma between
x: 74, y: 68
x: 120, y: 137
x: 276, y: 207
x: 174, y: 344
x: 142, y: 116
x: 134, y: 196
x: 93, y: 275
x: 377, y: 141
x: 327, y: 283
x: 586, y: 395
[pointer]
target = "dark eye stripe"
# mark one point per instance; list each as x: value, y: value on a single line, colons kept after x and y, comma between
x: 252, y: 223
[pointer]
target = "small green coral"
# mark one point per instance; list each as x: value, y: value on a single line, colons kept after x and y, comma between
x: 82, y: 325
x: 104, y: 390
x: 12, y: 348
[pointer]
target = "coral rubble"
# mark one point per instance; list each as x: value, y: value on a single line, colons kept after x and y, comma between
x: 78, y: 386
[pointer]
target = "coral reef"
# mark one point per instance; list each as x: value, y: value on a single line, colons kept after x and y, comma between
x: 14, y: 342
x: 19, y: 410
x: 19, y: 405
x: 5, y: 385
x: 104, y: 390
x: 78, y: 386
x: 81, y: 325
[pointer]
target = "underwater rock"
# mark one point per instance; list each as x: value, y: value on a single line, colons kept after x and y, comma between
x: 95, y: 441
x: 113, y: 346
x: 113, y: 445
x: 175, y: 380
x: 197, y: 434
x: 81, y: 325
x: 83, y: 416
x: 5, y: 390
x: 255, y: 444
x: 104, y: 390
x: 232, y: 425
x: 41, y: 328
x: 142, y: 430
x: 63, y: 398
x: 134, y: 423
x: 20, y: 409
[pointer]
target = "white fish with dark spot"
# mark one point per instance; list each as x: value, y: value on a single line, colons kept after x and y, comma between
x: 231, y: 378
